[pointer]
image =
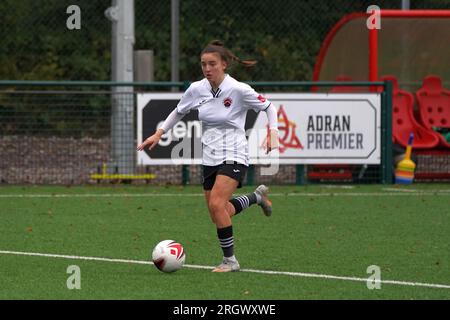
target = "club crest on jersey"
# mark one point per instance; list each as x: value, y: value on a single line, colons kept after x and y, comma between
x: 227, y: 102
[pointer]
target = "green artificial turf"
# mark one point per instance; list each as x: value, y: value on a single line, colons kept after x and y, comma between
x: 325, y: 230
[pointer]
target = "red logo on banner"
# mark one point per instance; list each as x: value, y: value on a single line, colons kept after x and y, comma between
x: 286, y: 132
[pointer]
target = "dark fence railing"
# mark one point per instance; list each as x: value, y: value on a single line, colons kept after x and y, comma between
x: 61, y: 132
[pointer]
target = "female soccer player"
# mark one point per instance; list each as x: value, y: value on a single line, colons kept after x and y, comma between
x: 222, y: 103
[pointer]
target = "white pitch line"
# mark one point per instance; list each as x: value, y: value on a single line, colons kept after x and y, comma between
x: 400, y: 190
x: 332, y: 186
x: 100, y: 195
x: 289, y: 194
x: 362, y: 194
x: 294, y: 274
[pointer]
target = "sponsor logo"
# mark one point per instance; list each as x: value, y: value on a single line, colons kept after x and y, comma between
x: 202, y: 102
x: 287, y: 128
x: 261, y: 98
x: 287, y: 136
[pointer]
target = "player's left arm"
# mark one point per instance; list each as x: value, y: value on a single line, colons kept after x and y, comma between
x: 272, y: 138
x: 257, y: 102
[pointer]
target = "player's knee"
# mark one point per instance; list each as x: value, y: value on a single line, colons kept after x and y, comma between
x: 213, y: 218
x: 216, y: 205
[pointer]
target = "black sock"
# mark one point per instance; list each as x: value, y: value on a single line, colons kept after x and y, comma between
x: 243, y: 202
x: 226, y: 240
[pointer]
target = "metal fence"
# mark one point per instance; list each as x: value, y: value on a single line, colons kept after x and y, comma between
x: 62, y: 133
x: 53, y: 136
x: 65, y: 133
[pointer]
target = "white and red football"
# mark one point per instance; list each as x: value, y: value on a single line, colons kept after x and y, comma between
x: 168, y: 256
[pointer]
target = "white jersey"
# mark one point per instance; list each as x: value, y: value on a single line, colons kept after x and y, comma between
x: 222, y: 113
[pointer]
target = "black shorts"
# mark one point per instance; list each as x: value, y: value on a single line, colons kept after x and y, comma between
x: 234, y: 170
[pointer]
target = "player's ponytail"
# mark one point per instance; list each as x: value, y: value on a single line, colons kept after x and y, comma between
x: 217, y: 46
x: 247, y: 63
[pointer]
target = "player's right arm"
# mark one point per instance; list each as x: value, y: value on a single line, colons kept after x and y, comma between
x: 168, y: 124
x: 183, y: 108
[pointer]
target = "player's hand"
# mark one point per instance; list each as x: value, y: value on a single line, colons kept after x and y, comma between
x: 272, y: 140
x: 151, y: 141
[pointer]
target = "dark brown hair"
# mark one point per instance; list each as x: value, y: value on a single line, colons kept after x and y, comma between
x: 217, y: 46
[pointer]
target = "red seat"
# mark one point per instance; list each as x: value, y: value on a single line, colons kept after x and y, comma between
x: 403, y: 121
x: 434, y: 106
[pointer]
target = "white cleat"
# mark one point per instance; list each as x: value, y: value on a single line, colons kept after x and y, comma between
x: 228, y: 265
x: 265, y: 203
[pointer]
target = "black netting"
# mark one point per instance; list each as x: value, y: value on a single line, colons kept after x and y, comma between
x: 284, y: 36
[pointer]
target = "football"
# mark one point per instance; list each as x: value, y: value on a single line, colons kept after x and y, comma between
x: 168, y: 256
